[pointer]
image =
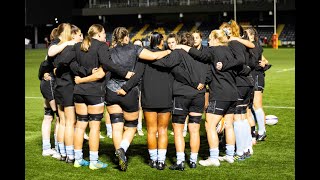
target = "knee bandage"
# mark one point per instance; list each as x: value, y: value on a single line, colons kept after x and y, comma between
x: 48, y: 112
x: 83, y: 118
x: 195, y: 119
x: 179, y: 119
x: 116, y: 118
x: 133, y: 123
x: 95, y: 117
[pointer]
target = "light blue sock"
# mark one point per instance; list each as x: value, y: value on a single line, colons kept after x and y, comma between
x: 260, y: 121
x: 78, y: 155
x: 230, y: 150
x: 139, y: 126
x: 193, y: 157
x: 237, y: 132
x: 180, y: 157
x: 162, y: 155
x: 153, y: 154
x: 56, y: 142
x: 46, y: 144
x: 248, y: 135
x: 62, y: 149
x: 125, y: 144
x: 93, y: 156
x: 70, y: 151
x: 214, y: 153
x: 243, y: 135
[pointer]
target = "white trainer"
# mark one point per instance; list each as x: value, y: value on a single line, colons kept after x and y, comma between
x: 209, y: 162
x: 184, y: 133
x: 140, y: 132
x: 56, y: 155
x: 48, y: 152
x: 101, y: 137
x: 227, y: 158
x: 109, y: 135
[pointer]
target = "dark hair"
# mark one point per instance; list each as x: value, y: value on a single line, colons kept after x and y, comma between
x: 187, y: 39
x: 245, y: 35
x: 155, y: 39
x: 241, y: 31
x: 254, y: 32
x: 199, y: 32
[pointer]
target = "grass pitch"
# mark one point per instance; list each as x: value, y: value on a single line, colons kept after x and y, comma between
x: 272, y: 159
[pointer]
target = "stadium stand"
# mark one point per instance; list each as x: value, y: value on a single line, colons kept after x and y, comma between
x: 166, y: 16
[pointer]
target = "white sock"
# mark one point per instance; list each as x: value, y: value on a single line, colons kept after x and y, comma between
x: 162, y: 155
x: 214, y: 153
x: 70, y: 151
x: 153, y: 154
x: 46, y: 144
x: 78, y: 155
x: 180, y: 157
x: 125, y: 145
x: 229, y: 149
x: 109, y: 128
x: 193, y: 157
x: 93, y: 156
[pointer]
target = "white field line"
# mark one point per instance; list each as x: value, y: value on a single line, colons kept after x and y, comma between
x: 33, y: 97
x: 274, y: 107
x: 279, y: 107
x: 284, y: 70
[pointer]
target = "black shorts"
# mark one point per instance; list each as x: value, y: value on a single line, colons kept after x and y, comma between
x: 46, y: 88
x: 88, y: 100
x: 221, y: 107
x: 128, y: 103
x: 183, y: 105
x: 157, y: 110
x: 259, y: 82
x: 245, y: 94
x: 64, y: 95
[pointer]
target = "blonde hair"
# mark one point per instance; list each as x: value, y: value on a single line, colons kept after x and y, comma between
x: 64, y: 32
x: 220, y: 35
x: 93, y: 30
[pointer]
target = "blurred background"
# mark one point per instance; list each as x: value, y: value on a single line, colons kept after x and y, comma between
x: 275, y: 20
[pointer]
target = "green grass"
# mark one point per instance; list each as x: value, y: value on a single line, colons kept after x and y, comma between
x: 272, y: 159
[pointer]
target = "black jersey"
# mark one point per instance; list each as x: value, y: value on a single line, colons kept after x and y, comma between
x: 244, y: 77
x: 222, y: 85
x: 156, y: 84
x: 177, y: 60
x: 255, y: 57
x: 125, y: 56
x: 97, y: 55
